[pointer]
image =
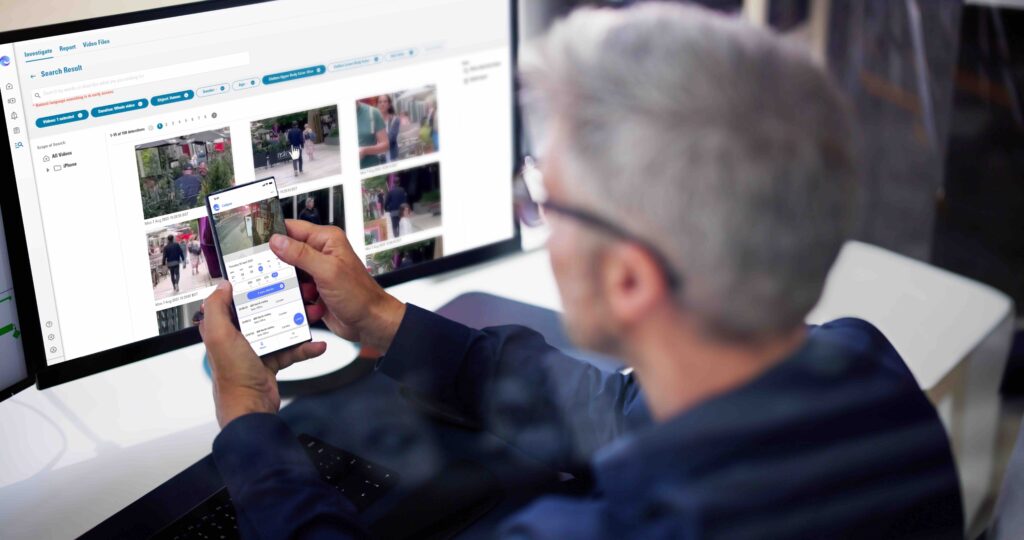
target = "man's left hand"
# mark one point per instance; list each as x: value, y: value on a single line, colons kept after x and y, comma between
x: 243, y: 383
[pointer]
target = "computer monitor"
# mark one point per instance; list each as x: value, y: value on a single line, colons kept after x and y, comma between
x: 393, y: 120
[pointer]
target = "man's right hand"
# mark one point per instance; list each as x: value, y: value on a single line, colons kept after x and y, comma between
x: 343, y: 294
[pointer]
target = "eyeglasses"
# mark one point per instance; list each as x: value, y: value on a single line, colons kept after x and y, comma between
x: 531, y: 203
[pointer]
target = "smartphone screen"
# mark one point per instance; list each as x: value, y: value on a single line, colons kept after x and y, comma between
x: 268, y: 303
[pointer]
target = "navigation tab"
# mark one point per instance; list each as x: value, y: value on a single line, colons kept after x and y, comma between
x: 63, y: 118
x: 294, y: 74
x: 118, y: 108
x: 173, y: 97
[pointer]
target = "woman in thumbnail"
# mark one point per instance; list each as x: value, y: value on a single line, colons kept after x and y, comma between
x: 393, y: 123
x: 310, y: 137
x: 194, y: 253
x: 310, y: 213
x: 405, y: 226
x: 430, y: 125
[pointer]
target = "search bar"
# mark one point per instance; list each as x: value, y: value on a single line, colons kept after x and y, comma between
x: 106, y: 85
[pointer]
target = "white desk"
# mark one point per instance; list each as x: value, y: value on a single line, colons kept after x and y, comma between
x: 74, y: 455
x: 84, y: 450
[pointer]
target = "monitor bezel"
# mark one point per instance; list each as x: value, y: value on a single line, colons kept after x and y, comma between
x: 24, y: 289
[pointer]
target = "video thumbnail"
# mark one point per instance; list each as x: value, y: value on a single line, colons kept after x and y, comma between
x: 182, y: 258
x: 321, y: 207
x: 176, y: 174
x: 401, y: 203
x: 397, y: 126
x: 249, y: 225
x: 297, y: 147
x: 179, y: 318
x: 404, y: 257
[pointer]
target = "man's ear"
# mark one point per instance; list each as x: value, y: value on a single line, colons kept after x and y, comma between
x: 633, y: 283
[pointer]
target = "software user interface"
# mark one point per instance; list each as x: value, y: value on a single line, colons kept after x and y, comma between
x: 390, y: 120
x: 266, y: 293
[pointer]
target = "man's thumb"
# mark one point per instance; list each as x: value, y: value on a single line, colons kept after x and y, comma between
x: 217, y: 310
x: 301, y: 255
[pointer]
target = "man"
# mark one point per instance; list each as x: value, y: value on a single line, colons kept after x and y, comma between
x: 310, y: 213
x: 393, y: 202
x: 373, y: 135
x: 188, y: 187
x: 296, y: 140
x: 700, y: 179
x: 174, y: 257
x: 203, y: 170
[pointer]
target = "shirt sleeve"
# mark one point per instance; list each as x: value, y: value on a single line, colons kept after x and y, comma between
x: 275, y: 489
x: 554, y: 407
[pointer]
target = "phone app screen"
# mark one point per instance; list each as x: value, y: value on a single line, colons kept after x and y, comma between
x: 271, y: 314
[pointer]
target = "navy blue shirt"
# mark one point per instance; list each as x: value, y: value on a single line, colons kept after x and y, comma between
x: 835, y: 441
x: 295, y: 137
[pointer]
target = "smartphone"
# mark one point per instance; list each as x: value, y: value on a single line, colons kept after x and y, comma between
x: 267, y: 300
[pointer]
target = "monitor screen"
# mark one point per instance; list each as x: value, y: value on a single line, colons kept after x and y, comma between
x: 13, y: 369
x: 392, y: 120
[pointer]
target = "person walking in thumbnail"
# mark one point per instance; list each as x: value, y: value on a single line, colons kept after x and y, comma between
x: 393, y: 123
x: 188, y: 186
x: 373, y: 136
x: 296, y: 140
x: 405, y: 225
x: 310, y: 213
x: 430, y: 125
x: 393, y: 202
x: 309, y: 136
x: 194, y: 254
x: 173, y: 258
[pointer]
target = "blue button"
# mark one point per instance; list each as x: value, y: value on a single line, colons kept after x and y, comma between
x: 299, y: 318
x: 173, y: 97
x: 118, y: 108
x: 273, y: 275
x: 264, y: 291
x: 63, y: 118
x: 293, y: 74
x: 260, y: 268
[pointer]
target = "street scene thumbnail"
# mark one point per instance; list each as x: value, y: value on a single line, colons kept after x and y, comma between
x: 182, y: 258
x: 321, y: 207
x: 397, y: 126
x: 179, y: 318
x: 176, y: 174
x: 401, y: 203
x: 249, y: 225
x: 404, y: 257
x: 297, y: 147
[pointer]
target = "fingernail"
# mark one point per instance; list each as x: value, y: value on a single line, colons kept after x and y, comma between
x: 223, y: 286
x: 279, y: 241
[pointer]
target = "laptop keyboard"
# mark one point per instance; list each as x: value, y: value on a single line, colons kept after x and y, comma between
x: 359, y: 480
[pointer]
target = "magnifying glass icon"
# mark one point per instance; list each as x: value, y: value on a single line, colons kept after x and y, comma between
x: 37, y: 94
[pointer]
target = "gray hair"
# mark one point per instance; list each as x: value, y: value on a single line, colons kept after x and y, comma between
x: 722, y: 144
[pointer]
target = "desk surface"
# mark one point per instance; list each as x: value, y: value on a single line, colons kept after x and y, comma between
x: 76, y: 454
x: 84, y: 450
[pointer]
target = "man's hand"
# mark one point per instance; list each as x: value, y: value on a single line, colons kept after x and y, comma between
x: 342, y: 294
x: 242, y: 382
